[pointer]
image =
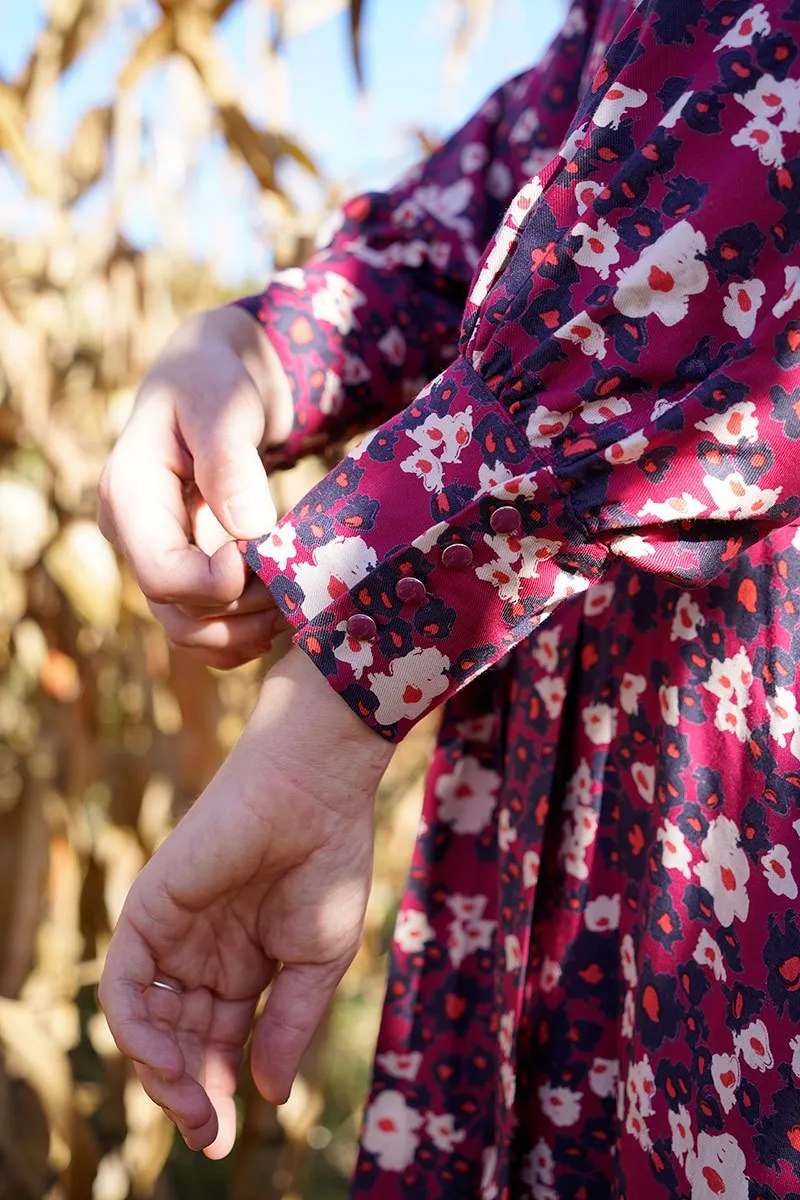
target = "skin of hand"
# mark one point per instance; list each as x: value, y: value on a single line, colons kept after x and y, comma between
x: 263, y: 882
x: 186, y: 477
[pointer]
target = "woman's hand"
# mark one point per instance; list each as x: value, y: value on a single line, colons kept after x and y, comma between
x: 265, y: 881
x: 186, y: 477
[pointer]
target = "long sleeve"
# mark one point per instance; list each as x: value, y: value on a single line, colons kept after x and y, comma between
x: 375, y: 315
x: 627, y: 384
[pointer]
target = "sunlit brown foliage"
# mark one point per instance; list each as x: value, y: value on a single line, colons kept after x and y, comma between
x: 105, y: 732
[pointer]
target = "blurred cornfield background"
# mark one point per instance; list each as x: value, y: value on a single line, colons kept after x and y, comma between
x: 106, y: 733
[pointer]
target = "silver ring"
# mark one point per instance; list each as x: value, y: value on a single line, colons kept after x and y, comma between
x: 168, y: 987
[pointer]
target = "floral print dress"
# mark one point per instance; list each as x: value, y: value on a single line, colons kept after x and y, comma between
x: 577, y: 328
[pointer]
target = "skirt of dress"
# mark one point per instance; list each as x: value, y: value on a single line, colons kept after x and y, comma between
x: 595, y: 985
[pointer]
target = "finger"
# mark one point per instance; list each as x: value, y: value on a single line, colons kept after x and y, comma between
x: 186, y: 1103
x: 142, y: 495
x: 252, y: 633
x: 255, y: 598
x: 141, y: 1033
x: 294, y: 1009
x: 223, y: 435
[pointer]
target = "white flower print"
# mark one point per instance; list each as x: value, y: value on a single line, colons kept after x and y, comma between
x: 499, y: 180
x: 717, y: 1168
x: 469, y: 931
x: 412, y: 684
x: 355, y: 370
x: 279, y: 546
x: 636, y: 1125
x: 499, y: 253
x: 530, y: 868
x: 627, y: 958
x: 626, y: 1025
x: 336, y: 302
x: 400, y: 1066
x: 763, y: 137
x: 586, y: 192
x: 753, y: 1044
x: 640, y: 1086
x: 474, y: 157
x: 448, y: 204
x: 741, y: 305
x: 633, y: 547
x: 734, y: 497
x: 579, y: 788
x: 603, y: 1076
x: 794, y: 1046
x: 393, y: 346
x: 544, y: 425
x: 687, y: 620
x: 355, y: 651
x: 448, y: 434
x: 675, y: 854
x: 506, y: 833
x: 666, y: 275
x: 668, y: 702
x: 754, y: 21
x: 553, y: 692
x: 508, y: 1082
x: 597, y: 412
x: 601, y: 915
x: 680, y: 1124
x: 599, y: 248
x: 725, y: 871
x: 726, y: 1076
x: 784, y: 719
x: 598, y: 598
x: 332, y: 396
x: 584, y: 332
x: 614, y: 105
x: 644, y: 777
x: 467, y: 908
x: 467, y: 795
x: 490, y: 477
x: 538, y: 1167
x: 708, y: 954
x: 731, y: 679
x: 390, y: 1131
x: 777, y: 868
x: 336, y: 567
x: 549, y: 975
x: 524, y: 127
x: 513, y: 952
x: 441, y: 1129
x: 738, y: 423
x: 546, y: 649
x: 769, y: 97
x: 677, y: 508
x: 791, y: 292
x: 631, y: 689
x: 729, y: 718
x: 412, y: 930
x: 673, y: 115
x: 505, y: 1034
x: 489, y: 1174
x: 629, y: 449
x: 600, y: 723
x: 561, y: 1105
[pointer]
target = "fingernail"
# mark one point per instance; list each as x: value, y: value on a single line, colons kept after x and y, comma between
x: 247, y: 512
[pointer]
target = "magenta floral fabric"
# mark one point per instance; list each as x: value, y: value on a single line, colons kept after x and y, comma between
x: 577, y: 526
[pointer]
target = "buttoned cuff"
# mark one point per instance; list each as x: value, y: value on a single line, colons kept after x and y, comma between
x: 427, y: 554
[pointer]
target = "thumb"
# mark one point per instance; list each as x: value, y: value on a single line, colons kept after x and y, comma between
x: 295, y: 1006
x: 224, y: 442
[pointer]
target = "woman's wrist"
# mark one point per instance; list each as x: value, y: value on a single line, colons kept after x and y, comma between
x: 312, y: 724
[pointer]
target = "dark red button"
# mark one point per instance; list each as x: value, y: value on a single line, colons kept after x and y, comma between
x: 362, y: 627
x: 456, y: 557
x: 411, y: 590
x: 506, y: 520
